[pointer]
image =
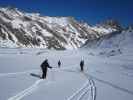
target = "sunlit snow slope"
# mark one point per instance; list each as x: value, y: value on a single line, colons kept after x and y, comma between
x: 21, y: 29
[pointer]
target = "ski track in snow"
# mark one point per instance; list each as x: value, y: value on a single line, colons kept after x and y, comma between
x: 16, y: 73
x: 88, y: 87
x: 26, y: 91
x: 111, y: 84
x: 24, y: 72
x: 93, y: 87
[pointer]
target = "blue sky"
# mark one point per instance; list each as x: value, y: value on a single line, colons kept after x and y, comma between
x: 91, y: 11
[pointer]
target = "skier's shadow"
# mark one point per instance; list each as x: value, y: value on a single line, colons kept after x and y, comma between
x: 35, y: 75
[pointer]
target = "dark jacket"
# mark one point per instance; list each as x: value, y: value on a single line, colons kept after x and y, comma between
x: 82, y: 65
x: 59, y: 63
x: 45, y: 65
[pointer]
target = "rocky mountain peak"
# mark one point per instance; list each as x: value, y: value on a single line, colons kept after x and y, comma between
x: 111, y: 23
x: 21, y: 29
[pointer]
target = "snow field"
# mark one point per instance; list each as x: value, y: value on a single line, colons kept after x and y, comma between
x: 17, y: 82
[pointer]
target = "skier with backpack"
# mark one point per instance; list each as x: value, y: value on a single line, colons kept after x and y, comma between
x: 44, y: 66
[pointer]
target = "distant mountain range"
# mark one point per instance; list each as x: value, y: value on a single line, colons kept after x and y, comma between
x: 31, y: 30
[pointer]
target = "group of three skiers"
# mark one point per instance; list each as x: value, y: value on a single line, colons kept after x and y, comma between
x: 45, y: 65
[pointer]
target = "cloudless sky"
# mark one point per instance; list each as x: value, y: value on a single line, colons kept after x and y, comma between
x: 90, y: 11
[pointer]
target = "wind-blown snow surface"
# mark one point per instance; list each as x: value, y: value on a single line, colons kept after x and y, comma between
x: 105, y: 77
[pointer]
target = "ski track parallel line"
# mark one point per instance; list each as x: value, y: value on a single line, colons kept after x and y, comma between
x: 8, y: 74
x: 85, y: 87
x: 78, y: 91
x: 83, y: 93
x: 93, y: 92
x: 26, y: 91
x: 93, y: 88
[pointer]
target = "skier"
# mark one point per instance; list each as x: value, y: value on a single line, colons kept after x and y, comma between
x: 82, y: 65
x: 44, y: 66
x: 59, y: 63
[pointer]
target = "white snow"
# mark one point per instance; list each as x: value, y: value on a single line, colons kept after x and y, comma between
x: 104, y: 78
x: 103, y: 30
x: 122, y: 40
x: 66, y: 30
x: 19, y: 84
x: 63, y: 21
x: 4, y: 19
x: 108, y: 71
x: 46, y: 33
x: 7, y: 43
x: 17, y: 23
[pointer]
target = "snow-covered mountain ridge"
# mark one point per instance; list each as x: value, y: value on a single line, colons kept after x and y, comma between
x: 20, y: 29
x: 122, y: 39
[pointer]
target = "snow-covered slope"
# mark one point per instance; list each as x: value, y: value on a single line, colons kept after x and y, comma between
x: 20, y: 29
x: 21, y: 81
x: 112, y: 44
x: 104, y: 78
x: 122, y: 39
